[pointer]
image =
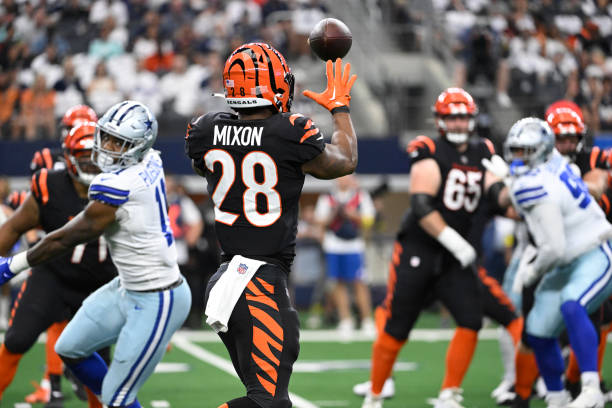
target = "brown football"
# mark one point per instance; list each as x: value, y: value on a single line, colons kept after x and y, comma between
x: 330, y: 39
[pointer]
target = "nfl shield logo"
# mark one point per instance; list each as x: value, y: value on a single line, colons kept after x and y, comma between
x: 242, y: 268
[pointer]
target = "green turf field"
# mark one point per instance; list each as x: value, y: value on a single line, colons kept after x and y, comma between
x: 208, y: 382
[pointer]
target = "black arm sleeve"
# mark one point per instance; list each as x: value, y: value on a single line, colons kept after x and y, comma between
x: 493, y: 197
x: 421, y: 204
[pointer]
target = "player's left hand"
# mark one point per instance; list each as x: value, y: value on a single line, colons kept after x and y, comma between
x: 526, y: 274
x: 339, y: 84
x: 5, y: 273
x: 497, y: 166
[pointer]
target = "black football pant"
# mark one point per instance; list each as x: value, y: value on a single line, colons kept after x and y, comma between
x: 421, y: 273
x: 262, y: 337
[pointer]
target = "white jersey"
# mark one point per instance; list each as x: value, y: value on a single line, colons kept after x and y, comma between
x: 140, y: 242
x: 584, y: 223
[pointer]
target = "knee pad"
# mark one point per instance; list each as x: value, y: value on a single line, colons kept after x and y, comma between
x: 18, y: 343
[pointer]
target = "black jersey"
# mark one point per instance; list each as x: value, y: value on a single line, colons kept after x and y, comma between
x: 461, y: 191
x: 594, y: 158
x: 87, y: 266
x: 50, y: 159
x: 255, y: 178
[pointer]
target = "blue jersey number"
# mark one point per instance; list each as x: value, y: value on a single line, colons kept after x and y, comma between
x: 576, y: 186
x: 162, y: 204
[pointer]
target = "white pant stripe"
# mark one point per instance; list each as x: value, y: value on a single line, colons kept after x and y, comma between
x: 602, y: 281
x: 140, y: 365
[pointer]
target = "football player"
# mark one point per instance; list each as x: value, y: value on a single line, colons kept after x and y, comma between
x: 54, y: 158
x: 572, y: 256
x: 54, y: 290
x: 432, y: 257
x: 565, y: 119
x: 127, y: 203
x: 255, y: 163
x: 51, y: 158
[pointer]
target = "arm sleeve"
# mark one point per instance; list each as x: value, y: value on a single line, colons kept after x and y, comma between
x: 195, y: 141
x: 109, y: 188
x: 545, y: 223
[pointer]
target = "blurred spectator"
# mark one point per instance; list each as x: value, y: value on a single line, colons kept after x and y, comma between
x: 73, y: 25
x: 304, y: 18
x: 181, y: 89
x: 186, y: 223
x: 68, y: 89
x: 37, y: 118
x: 162, y: 59
x: 145, y: 87
x: 209, y: 100
x: 102, y: 91
x: 345, y: 214
x: 604, y: 111
x: 101, y: 10
x: 9, y: 98
x: 48, y: 64
x: 174, y: 14
x: 110, y: 42
x: 145, y: 45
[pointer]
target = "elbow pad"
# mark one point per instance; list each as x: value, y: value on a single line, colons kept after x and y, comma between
x: 422, y: 204
x: 493, y: 197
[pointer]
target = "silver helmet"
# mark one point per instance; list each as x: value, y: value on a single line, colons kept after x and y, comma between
x: 135, y: 128
x: 530, y: 142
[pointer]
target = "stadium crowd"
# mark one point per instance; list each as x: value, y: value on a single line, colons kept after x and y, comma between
x: 57, y: 54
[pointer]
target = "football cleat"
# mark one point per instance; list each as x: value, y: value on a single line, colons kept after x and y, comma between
x: 363, y: 388
x: 559, y: 399
x: 503, y: 394
x: 372, y: 401
x: 448, y: 398
x: 41, y: 394
x: 590, y: 397
x: 519, y: 402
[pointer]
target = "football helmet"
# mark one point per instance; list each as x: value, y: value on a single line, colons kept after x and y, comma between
x: 134, y: 126
x: 530, y: 142
x: 563, y: 103
x: 75, y: 114
x: 566, y: 123
x: 455, y: 102
x: 77, y: 147
x: 256, y: 74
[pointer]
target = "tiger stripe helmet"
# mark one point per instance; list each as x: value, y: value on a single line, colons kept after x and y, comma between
x: 77, y: 113
x: 565, y: 121
x: 451, y: 102
x: 77, y: 147
x: 255, y: 75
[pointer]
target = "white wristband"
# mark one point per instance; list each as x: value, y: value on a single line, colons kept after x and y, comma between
x: 451, y: 239
x: 19, y: 263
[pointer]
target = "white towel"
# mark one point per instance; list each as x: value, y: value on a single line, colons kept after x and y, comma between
x: 226, y: 292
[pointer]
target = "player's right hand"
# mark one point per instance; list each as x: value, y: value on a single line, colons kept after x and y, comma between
x: 339, y: 84
x: 5, y: 272
x: 497, y: 166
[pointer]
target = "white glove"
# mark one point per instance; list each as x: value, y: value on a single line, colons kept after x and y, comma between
x: 497, y: 166
x: 525, y: 272
x: 457, y: 245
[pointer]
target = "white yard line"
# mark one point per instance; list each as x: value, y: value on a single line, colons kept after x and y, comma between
x: 181, y: 341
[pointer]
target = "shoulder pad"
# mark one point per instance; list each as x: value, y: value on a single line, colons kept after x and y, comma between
x: 109, y: 188
x: 39, y: 186
x: 305, y: 126
x: 421, y: 147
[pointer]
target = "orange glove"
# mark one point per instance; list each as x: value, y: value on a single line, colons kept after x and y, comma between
x: 337, y: 93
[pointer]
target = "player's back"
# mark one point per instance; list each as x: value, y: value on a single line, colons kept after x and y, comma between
x: 254, y: 174
x: 141, y: 241
x: 583, y: 220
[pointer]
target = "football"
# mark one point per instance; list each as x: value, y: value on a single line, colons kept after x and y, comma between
x: 330, y: 39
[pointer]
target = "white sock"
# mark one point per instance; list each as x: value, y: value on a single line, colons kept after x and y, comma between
x: 590, y: 379
x: 507, y: 350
